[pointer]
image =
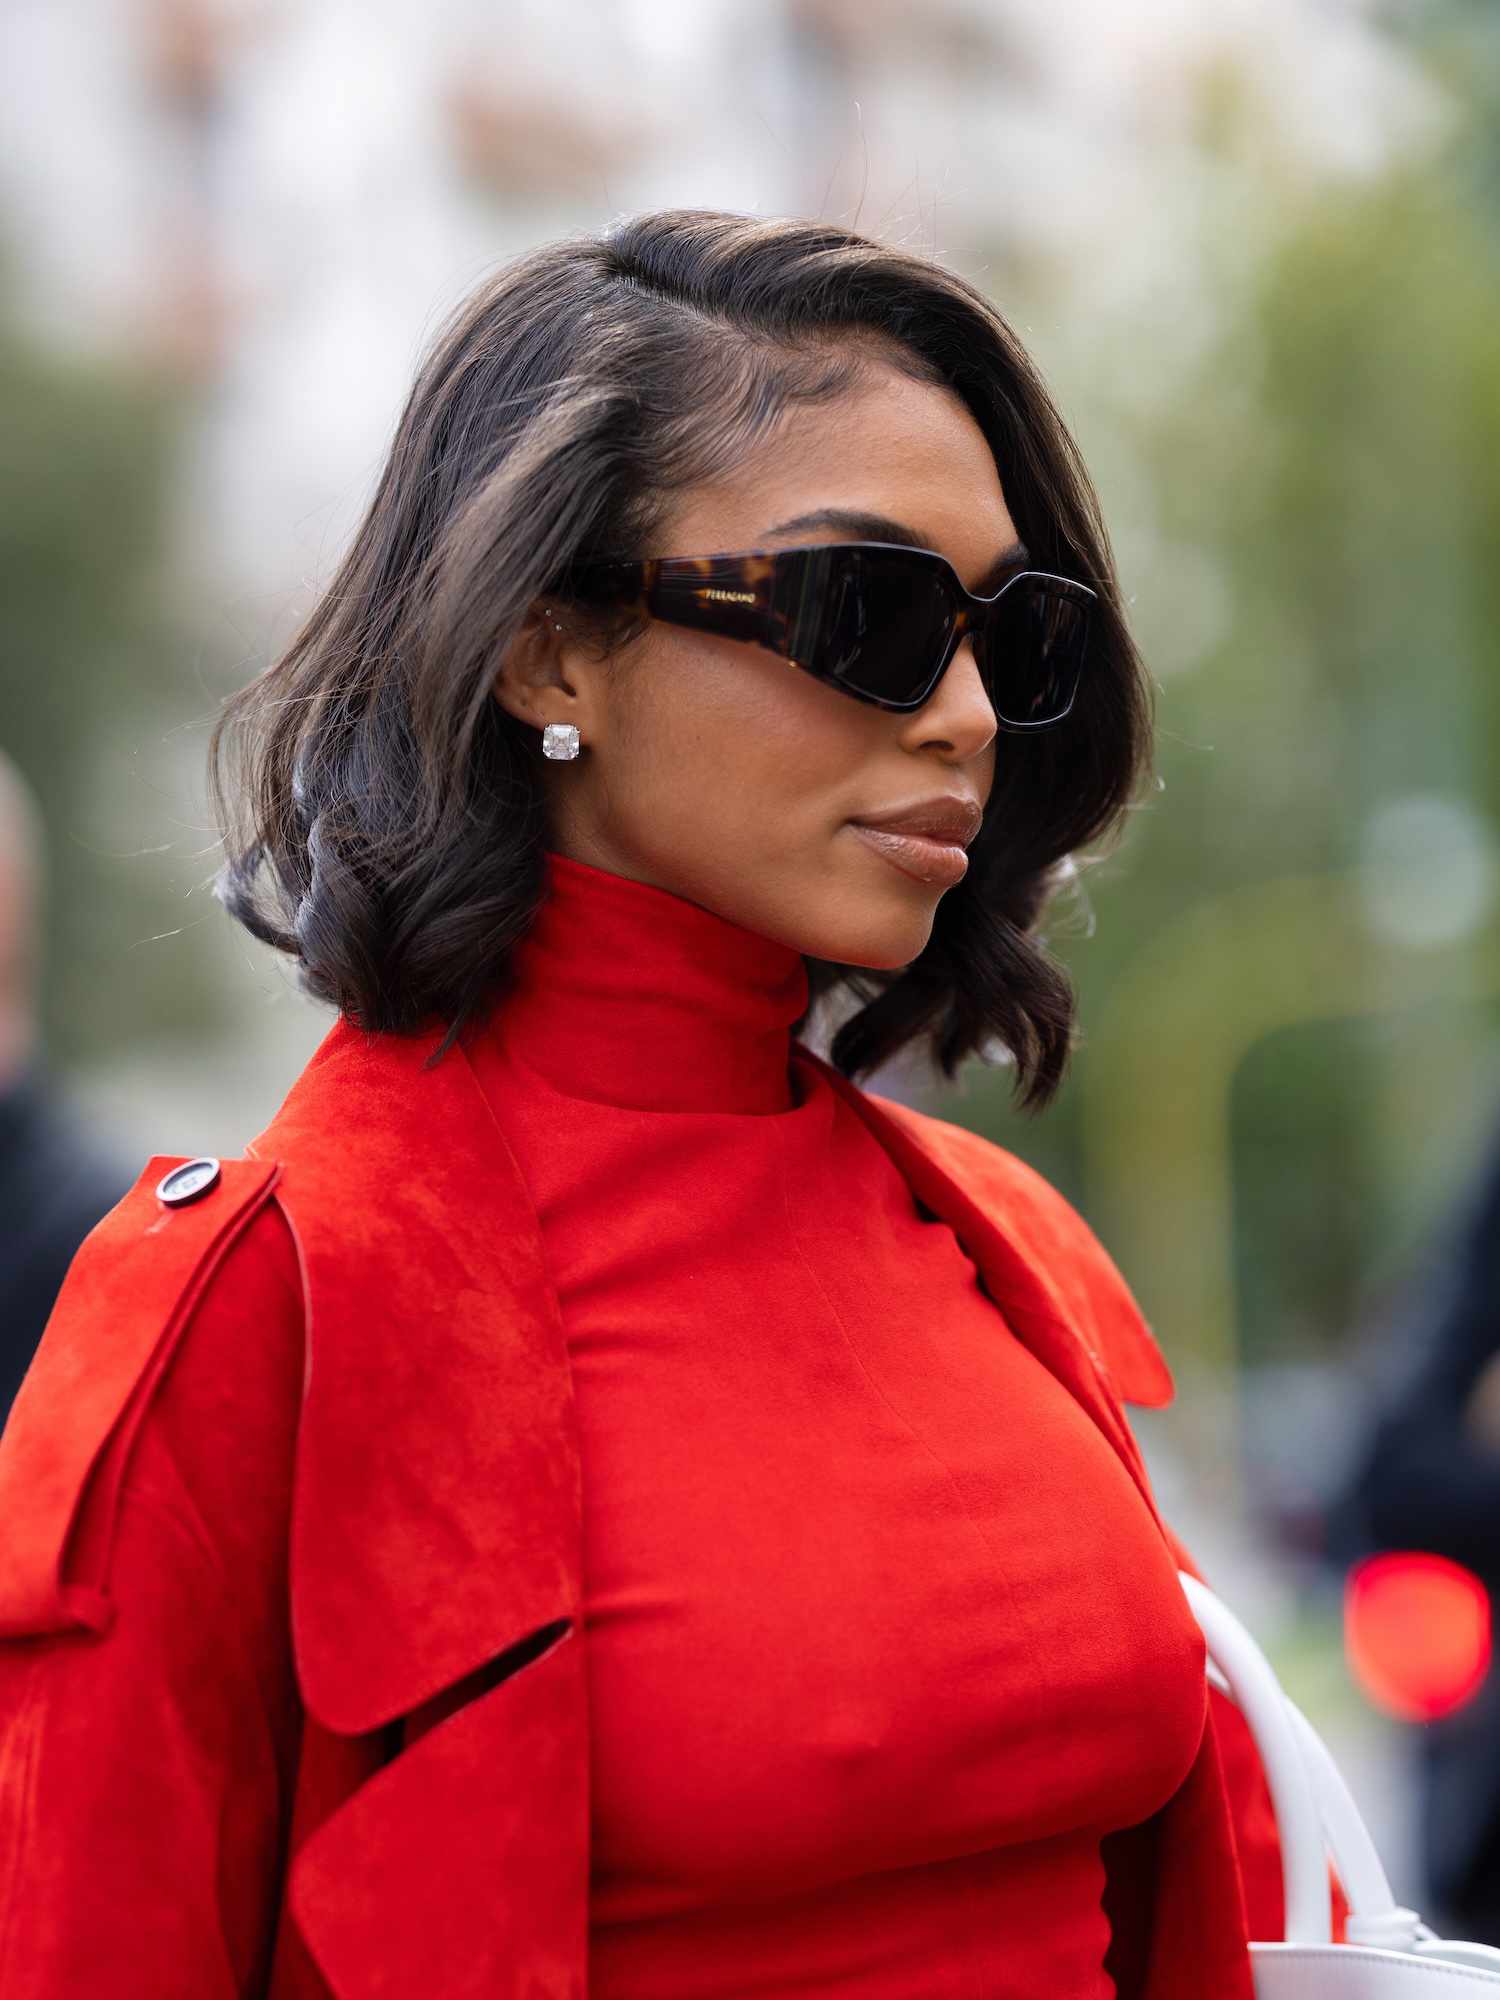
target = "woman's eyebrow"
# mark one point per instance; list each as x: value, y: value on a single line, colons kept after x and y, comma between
x: 864, y: 527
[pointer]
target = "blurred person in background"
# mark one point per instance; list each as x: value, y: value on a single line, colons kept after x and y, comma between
x: 594, y: 1499
x: 56, y: 1178
x: 1427, y: 1479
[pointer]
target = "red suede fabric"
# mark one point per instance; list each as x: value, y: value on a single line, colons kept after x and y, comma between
x: 142, y: 1772
x: 294, y: 1598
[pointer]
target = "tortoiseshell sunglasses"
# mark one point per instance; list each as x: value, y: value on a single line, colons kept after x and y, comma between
x: 878, y: 620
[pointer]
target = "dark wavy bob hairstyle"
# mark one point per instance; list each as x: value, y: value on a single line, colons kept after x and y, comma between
x: 384, y: 817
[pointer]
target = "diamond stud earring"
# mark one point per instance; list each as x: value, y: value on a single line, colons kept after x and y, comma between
x: 559, y: 739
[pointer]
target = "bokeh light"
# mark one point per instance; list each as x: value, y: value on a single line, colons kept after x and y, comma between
x: 1416, y: 1632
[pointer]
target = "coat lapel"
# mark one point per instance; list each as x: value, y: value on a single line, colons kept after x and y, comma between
x: 1049, y: 1275
x: 436, y: 1543
x: 437, y: 1511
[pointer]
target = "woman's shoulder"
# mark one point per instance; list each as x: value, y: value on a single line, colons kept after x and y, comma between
x: 171, y: 1364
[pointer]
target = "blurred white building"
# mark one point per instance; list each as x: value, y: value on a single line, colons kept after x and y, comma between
x: 282, y: 197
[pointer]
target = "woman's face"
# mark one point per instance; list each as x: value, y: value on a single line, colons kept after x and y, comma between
x: 713, y: 768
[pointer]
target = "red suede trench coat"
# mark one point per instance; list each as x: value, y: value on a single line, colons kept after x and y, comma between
x: 343, y: 1749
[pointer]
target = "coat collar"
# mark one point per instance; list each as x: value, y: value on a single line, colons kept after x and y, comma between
x: 437, y: 1516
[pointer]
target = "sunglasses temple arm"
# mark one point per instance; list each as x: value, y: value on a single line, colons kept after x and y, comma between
x: 731, y: 606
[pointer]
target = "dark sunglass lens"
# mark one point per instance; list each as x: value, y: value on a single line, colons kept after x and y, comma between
x: 1033, y: 653
x: 882, y: 625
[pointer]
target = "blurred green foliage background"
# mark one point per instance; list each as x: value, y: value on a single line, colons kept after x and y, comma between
x: 1290, y: 971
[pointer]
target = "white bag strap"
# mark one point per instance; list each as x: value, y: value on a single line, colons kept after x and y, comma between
x: 1254, y: 1686
x: 1361, y: 1870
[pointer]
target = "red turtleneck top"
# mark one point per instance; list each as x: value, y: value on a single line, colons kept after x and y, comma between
x: 881, y: 1636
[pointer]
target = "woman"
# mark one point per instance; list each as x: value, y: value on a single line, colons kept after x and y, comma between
x: 594, y: 1500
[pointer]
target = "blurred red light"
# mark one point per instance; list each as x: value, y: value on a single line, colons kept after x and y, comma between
x: 1416, y: 1632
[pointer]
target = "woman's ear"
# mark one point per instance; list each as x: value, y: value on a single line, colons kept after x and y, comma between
x: 536, y: 680
x: 553, y: 673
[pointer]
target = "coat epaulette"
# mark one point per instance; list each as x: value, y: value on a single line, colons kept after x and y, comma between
x: 128, y: 1293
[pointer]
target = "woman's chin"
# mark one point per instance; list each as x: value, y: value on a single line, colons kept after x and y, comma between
x: 884, y: 935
